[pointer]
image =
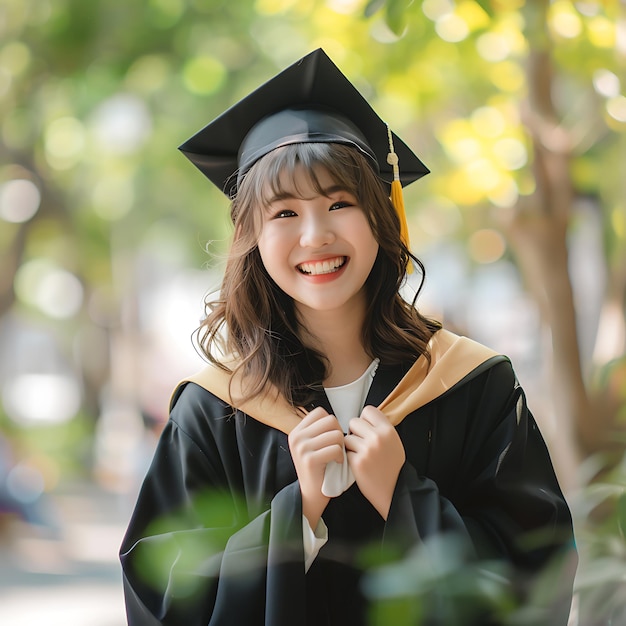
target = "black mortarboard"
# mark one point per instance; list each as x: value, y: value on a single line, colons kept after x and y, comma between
x: 310, y: 101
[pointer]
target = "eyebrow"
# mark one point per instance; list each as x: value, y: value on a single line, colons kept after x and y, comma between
x: 327, y: 192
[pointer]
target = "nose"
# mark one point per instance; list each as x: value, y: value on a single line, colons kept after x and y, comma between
x: 316, y: 230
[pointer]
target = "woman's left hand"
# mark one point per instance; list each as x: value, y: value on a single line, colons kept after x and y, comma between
x: 376, y: 455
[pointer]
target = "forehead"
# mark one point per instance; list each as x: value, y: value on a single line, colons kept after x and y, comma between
x: 301, y: 182
x: 303, y: 179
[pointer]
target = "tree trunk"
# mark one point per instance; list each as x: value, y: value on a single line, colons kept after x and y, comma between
x: 540, y: 246
x: 538, y: 235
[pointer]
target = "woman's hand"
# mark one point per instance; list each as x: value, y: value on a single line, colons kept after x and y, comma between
x: 376, y: 455
x: 314, y: 442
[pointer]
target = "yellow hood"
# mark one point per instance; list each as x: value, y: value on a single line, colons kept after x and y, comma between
x: 452, y: 358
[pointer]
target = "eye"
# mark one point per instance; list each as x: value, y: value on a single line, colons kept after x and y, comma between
x: 283, y: 213
x: 341, y: 204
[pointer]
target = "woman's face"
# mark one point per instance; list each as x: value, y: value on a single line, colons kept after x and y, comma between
x: 319, y: 249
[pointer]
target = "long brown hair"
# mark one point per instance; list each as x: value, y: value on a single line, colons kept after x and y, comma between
x: 255, y: 321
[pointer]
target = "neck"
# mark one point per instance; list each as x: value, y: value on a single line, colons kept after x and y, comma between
x: 337, y: 335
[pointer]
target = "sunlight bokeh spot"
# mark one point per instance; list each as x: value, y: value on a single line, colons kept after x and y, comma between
x: 19, y: 200
x: 57, y: 398
x: 507, y: 76
x: 505, y: 194
x: 168, y: 11
x: 466, y: 149
x: 122, y: 124
x: 602, y: 32
x: 25, y: 483
x: 113, y: 197
x: 53, y: 290
x: 439, y: 219
x: 15, y: 57
x: 606, y: 83
x: 435, y: 9
x: 398, y: 108
x: 486, y: 246
x: 64, y: 142
x: 452, y: 28
x: 458, y: 140
x: 616, y: 108
x: 148, y: 73
x: 60, y: 295
x: 564, y: 20
x: 474, y: 16
x: 347, y: 7
x: 511, y: 153
x: 493, y: 47
x: 488, y: 121
x: 204, y: 75
x: 482, y: 175
x: 460, y: 189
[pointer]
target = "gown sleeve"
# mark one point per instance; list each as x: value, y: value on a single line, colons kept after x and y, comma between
x: 193, y: 554
x: 490, y: 482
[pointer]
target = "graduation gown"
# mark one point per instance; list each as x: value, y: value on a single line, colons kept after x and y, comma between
x: 216, y: 535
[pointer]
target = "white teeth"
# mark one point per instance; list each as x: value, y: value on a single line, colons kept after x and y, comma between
x: 322, y: 267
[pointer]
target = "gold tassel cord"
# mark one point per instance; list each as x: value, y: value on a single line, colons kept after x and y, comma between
x: 397, y: 197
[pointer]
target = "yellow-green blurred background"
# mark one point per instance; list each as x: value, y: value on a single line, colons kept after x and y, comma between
x: 109, y: 239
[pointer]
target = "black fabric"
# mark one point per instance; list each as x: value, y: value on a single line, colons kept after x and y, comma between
x: 476, y: 466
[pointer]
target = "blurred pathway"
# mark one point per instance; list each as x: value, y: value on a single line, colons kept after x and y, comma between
x: 68, y: 577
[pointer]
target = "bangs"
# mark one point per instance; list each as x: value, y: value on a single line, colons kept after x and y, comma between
x: 274, y: 176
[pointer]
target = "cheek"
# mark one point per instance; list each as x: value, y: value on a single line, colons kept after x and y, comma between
x: 265, y: 252
x: 264, y: 239
x: 373, y: 254
x: 366, y: 237
x: 273, y: 251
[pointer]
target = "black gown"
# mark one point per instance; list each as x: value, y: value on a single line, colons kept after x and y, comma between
x: 216, y: 535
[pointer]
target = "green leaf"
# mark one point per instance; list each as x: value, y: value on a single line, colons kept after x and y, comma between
x: 396, y: 16
x: 372, y: 7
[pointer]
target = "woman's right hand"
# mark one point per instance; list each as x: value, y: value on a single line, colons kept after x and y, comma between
x: 314, y: 442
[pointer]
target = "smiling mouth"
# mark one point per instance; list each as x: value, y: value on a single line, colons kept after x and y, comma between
x: 322, y: 267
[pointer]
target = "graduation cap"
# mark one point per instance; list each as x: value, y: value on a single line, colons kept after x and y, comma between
x: 309, y: 102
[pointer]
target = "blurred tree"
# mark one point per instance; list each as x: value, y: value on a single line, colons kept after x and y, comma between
x: 551, y: 74
x: 518, y: 105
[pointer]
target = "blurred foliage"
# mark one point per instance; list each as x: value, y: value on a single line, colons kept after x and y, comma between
x: 97, y: 95
x: 601, y: 577
x: 57, y: 450
x: 437, y: 583
x: 184, y: 550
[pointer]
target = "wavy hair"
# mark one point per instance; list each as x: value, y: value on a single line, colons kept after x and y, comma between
x: 255, y: 321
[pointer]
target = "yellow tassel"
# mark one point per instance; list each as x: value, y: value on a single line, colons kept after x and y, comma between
x: 397, y: 197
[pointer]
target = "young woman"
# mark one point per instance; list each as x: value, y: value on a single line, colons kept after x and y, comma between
x: 333, y: 418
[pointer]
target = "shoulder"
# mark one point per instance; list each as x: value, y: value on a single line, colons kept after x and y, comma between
x: 453, y: 361
x: 461, y: 360
x: 460, y: 364
x: 199, y: 414
x: 217, y: 387
x: 487, y: 394
x: 213, y: 379
x: 497, y: 371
